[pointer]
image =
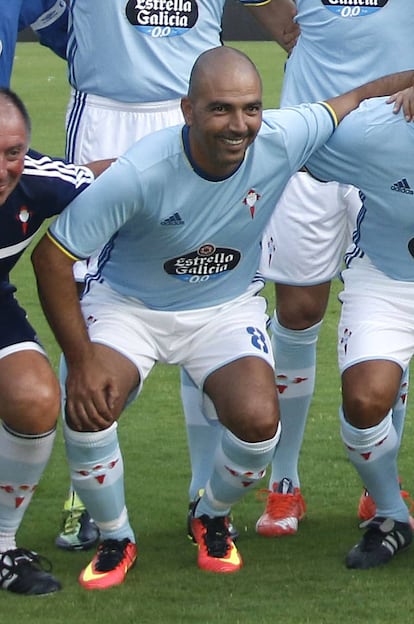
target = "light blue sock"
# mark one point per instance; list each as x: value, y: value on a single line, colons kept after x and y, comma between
x: 23, y: 459
x: 295, y: 356
x: 204, y: 432
x: 373, y: 452
x: 238, y: 465
x: 63, y: 373
x: 97, y: 474
x: 399, y: 409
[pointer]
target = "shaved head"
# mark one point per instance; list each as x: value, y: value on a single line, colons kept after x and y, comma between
x: 221, y: 63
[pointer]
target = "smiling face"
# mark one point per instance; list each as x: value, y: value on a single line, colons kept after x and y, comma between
x: 14, y: 139
x: 223, y: 110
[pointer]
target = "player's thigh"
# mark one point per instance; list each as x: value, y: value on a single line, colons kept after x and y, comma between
x: 244, y: 396
x: 223, y: 334
x: 232, y: 359
x: 29, y: 391
x: 115, y: 324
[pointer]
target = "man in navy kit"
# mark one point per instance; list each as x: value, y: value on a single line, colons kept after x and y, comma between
x: 198, y: 305
x: 32, y: 188
x: 49, y: 20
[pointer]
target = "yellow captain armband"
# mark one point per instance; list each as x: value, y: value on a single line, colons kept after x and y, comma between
x: 331, y: 112
x: 62, y: 249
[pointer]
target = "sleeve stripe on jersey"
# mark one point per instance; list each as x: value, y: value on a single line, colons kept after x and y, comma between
x: 331, y: 112
x: 255, y: 2
x: 62, y: 248
x: 50, y: 16
x: 76, y: 175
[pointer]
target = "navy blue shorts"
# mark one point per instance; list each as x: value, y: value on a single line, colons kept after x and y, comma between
x: 14, y: 326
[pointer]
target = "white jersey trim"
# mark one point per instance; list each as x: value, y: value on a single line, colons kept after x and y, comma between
x: 12, y: 250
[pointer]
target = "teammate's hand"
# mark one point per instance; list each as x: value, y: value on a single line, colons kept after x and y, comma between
x: 405, y: 100
x: 289, y: 37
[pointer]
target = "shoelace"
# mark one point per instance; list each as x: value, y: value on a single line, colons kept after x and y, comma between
x: 13, y: 560
x: 217, y: 537
x: 110, y: 554
x: 279, y: 505
x: 72, y: 520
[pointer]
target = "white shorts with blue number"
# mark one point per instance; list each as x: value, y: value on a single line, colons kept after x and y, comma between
x: 201, y: 340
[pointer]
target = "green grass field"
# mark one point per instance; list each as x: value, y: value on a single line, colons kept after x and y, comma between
x: 293, y: 580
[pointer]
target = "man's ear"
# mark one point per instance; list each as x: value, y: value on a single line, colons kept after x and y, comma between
x: 187, y: 110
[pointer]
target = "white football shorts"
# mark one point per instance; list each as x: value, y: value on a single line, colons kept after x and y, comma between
x: 201, y: 340
x: 309, y: 231
x: 98, y: 127
x: 22, y: 346
x: 377, y: 317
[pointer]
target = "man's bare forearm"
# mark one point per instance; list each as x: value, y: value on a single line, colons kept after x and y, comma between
x: 386, y: 85
x: 59, y: 298
x: 277, y: 17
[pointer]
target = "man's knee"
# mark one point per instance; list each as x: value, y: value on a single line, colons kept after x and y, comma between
x: 363, y: 410
x: 257, y: 420
x: 34, y: 409
x: 300, y: 307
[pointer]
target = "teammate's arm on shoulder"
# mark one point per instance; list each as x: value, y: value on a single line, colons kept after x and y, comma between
x: 405, y: 100
x: 386, y: 85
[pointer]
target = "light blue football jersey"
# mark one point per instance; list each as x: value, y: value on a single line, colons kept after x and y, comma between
x: 373, y: 149
x: 153, y: 46
x: 346, y: 43
x: 177, y: 239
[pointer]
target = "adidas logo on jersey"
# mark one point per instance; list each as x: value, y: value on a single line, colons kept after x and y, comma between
x: 175, y: 219
x: 402, y: 186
